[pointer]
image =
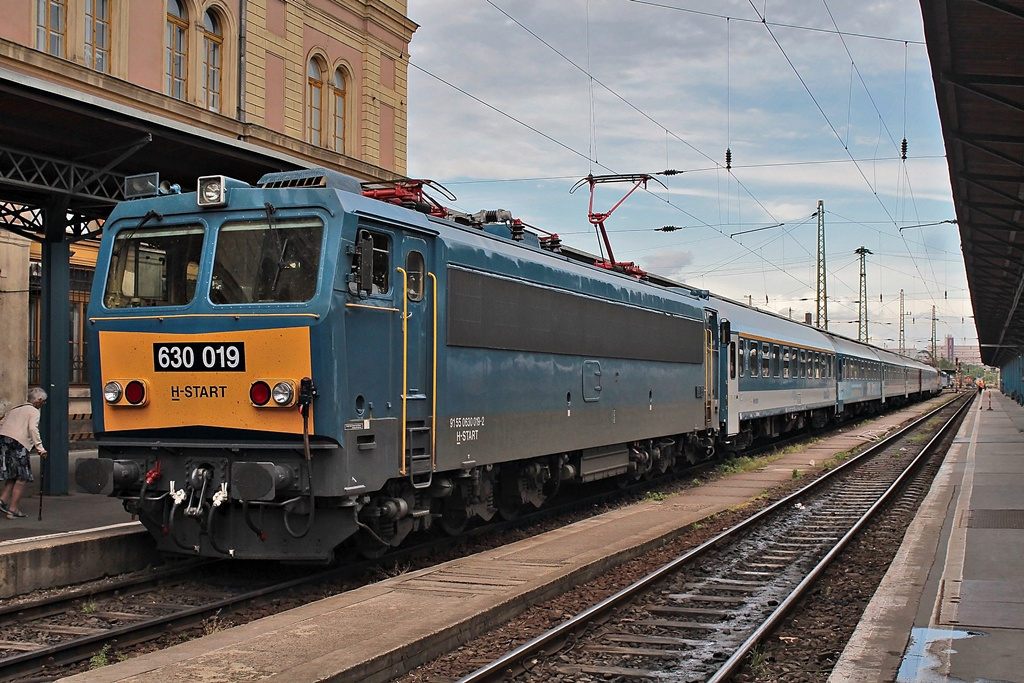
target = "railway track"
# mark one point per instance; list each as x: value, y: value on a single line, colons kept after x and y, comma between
x: 49, y: 633
x: 44, y: 635
x: 55, y: 632
x: 698, y: 617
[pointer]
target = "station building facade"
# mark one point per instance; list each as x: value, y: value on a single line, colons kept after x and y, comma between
x: 320, y: 82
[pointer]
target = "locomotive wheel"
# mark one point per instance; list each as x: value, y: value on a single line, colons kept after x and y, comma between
x: 454, y: 520
x: 509, y: 508
x: 454, y: 517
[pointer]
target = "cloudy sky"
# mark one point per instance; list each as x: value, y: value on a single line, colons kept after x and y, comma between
x: 513, y: 101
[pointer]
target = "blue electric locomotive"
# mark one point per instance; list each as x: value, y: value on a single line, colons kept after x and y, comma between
x: 288, y: 367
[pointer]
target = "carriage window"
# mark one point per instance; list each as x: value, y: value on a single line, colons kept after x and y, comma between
x: 776, y: 360
x: 755, y: 369
x: 414, y: 271
x: 267, y: 260
x: 803, y: 363
x: 742, y: 361
x: 732, y: 360
x: 766, y: 360
x: 154, y: 267
x: 785, y: 361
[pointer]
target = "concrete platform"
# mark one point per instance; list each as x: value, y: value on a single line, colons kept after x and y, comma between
x: 79, y: 537
x: 951, y: 607
x: 374, y: 633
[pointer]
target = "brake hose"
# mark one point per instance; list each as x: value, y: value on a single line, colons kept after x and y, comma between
x: 306, y: 394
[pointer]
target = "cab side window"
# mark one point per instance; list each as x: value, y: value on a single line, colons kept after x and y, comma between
x: 414, y: 272
x: 371, y: 264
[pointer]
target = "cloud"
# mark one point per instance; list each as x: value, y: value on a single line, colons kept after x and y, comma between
x: 560, y: 90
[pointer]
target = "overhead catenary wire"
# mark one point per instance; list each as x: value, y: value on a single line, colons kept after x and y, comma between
x: 629, y: 104
x: 715, y: 165
x: 762, y: 19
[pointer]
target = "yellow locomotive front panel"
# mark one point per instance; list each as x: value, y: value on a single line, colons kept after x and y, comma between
x: 234, y: 380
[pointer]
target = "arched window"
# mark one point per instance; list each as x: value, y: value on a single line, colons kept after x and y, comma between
x: 51, y: 26
x: 176, y: 67
x: 213, y: 44
x: 338, y: 86
x: 97, y: 35
x: 315, y: 103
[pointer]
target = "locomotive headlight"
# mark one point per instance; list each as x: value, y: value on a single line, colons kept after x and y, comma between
x: 112, y: 392
x: 283, y: 393
x: 212, y: 191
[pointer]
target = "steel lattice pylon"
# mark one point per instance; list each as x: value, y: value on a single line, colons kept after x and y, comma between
x: 862, y: 322
x: 822, y: 297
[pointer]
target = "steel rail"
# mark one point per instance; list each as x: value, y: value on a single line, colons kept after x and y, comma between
x: 30, y: 608
x: 552, y: 640
x: 733, y: 664
x: 82, y: 648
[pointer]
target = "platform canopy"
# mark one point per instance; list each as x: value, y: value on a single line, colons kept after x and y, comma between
x: 976, y: 48
x: 69, y: 146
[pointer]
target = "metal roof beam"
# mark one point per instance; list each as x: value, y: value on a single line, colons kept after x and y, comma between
x: 967, y: 83
x: 973, y: 142
x: 976, y: 207
x: 1007, y: 8
x: 25, y: 170
x: 1016, y: 201
x: 994, y: 177
x: 990, y: 233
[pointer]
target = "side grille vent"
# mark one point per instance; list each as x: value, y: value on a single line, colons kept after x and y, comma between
x: 310, y: 177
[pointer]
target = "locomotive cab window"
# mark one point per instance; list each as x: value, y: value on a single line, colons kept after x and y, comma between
x: 371, y: 264
x: 267, y: 261
x: 414, y: 271
x: 154, y: 267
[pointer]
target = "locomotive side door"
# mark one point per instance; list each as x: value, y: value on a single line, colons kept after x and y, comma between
x: 417, y: 298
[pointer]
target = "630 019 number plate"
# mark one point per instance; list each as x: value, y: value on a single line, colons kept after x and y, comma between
x: 199, y: 357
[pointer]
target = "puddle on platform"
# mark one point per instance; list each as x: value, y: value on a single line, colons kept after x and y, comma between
x: 926, y: 659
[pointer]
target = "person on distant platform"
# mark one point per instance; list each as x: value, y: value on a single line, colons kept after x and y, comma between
x: 19, y: 434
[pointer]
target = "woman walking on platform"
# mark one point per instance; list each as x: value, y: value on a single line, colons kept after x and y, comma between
x: 19, y: 434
